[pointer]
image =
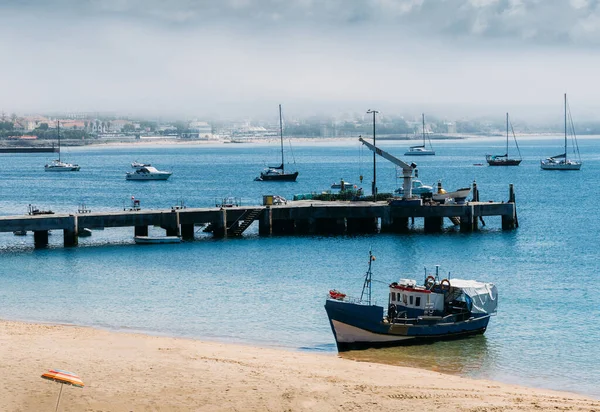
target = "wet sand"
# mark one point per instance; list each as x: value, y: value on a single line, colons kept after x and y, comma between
x: 136, y: 372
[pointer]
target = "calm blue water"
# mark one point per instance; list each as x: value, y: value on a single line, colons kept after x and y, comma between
x: 271, y: 291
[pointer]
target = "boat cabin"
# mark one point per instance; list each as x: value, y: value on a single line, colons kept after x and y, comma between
x: 440, y: 298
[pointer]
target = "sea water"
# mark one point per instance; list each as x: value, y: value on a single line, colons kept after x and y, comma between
x: 270, y: 291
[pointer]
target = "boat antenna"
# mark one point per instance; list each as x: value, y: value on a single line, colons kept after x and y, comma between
x: 367, y: 284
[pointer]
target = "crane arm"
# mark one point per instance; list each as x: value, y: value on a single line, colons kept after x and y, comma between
x: 387, y: 156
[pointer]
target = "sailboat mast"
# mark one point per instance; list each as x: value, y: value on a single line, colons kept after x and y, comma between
x: 423, y: 117
x: 507, y: 135
x: 565, y: 127
x: 58, y: 132
x: 281, y: 136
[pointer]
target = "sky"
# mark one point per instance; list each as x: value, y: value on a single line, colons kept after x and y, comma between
x: 240, y: 58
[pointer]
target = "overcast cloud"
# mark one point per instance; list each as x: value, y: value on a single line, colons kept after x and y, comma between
x: 242, y: 57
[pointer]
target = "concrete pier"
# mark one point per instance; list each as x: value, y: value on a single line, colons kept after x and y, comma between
x: 293, y: 218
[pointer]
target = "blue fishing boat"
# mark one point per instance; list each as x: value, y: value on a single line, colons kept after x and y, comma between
x: 436, y: 310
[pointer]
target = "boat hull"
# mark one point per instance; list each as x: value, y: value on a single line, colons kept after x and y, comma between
x: 150, y: 176
x: 62, y: 169
x: 507, y: 162
x: 560, y: 166
x: 283, y: 177
x: 152, y: 240
x: 358, y: 326
x: 420, y: 153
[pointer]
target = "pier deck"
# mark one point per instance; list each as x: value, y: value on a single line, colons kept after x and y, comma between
x: 297, y: 217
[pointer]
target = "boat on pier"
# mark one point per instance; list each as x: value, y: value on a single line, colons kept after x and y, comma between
x: 416, y: 313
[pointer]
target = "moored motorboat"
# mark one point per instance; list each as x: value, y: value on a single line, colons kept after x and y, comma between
x: 437, y: 310
x: 148, y: 173
x: 151, y: 240
x: 418, y: 188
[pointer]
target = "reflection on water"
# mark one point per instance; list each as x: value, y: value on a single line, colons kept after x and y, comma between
x: 467, y: 357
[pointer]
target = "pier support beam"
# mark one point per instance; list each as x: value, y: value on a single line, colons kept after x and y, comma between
x: 141, y: 230
x: 187, y: 231
x: 333, y: 226
x: 361, y: 225
x: 434, y: 224
x: 265, y: 222
x: 70, y: 238
x: 220, y: 224
x: 508, y: 222
x: 468, y: 223
x: 394, y: 225
x: 40, y: 238
x: 283, y: 227
x: 305, y: 226
x: 172, y: 231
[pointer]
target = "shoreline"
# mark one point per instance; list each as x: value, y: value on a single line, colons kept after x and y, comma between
x: 301, y: 141
x: 126, y: 371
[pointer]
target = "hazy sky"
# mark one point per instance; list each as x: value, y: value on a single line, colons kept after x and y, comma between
x: 242, y: 57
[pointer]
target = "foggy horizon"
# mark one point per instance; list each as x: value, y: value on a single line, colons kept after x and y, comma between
x: 239, y: 59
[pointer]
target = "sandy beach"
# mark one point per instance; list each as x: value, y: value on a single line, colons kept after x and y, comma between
x: 135, y: 372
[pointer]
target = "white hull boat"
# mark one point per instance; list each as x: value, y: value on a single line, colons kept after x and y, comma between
x: 57, y: 165
x: 148, y: 173
x: 153, y: 240
x: 561, y: 162
x: 421, y: 150
x: 459, y: 194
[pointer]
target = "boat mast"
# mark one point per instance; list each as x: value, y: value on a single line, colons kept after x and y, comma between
x: 507, y: 135
x: 367, y: 284
x: 565, y: 127
x: 281, y: 136
x: 423, y: 117
x: 58, y: 132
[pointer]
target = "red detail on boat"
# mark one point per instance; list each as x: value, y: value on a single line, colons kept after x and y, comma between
x: 334, y: 294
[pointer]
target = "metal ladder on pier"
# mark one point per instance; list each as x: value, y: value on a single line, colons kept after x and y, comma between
x: 239, y: 226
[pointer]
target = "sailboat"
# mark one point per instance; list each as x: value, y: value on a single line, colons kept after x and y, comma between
x: 57, y: 165
x: 421, y: 150
x: 561, y: 162
x: 277, y: 173
x: 504, y: 160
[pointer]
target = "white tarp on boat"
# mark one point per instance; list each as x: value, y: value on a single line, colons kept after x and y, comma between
x: 484, y: 296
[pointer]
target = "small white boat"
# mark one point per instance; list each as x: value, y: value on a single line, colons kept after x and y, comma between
x: 458, y: 195
x: 58, y: 166
x: 137, y: 165
x: 148, y: 173
x: 418, y: 188
x: 151, y: 240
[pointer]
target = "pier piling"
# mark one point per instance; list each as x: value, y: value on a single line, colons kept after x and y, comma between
x: 141, y: 230
x: 40, y: 238
x: 187, y: 231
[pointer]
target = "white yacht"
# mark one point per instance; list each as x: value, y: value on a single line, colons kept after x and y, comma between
x: 57, y: 165
x: 148, y: 173
x: 421, y: 150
